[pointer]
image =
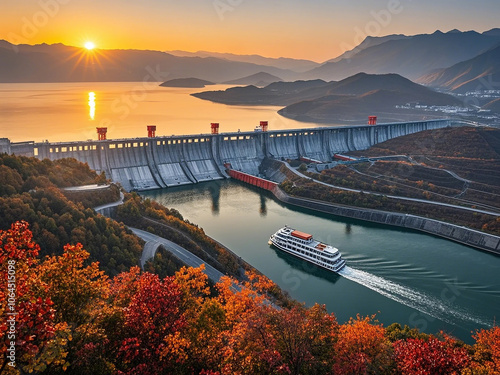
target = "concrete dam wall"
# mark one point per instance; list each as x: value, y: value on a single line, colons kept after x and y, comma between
x: 159, y: 162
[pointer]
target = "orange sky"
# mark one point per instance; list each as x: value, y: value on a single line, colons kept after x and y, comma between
x: 316, y: 30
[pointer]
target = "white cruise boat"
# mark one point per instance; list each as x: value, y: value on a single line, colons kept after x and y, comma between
x: 304, y: 246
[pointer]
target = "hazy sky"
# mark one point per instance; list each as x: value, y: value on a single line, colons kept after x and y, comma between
x: 315, y: 29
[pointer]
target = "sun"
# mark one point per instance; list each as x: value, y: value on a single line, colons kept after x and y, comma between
x: 90, y: 45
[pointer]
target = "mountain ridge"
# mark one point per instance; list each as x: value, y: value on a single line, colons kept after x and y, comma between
x: 479, y: 73
x: 297, y: 65
x: 61, y: 63
x: 410, y: 57
x: 359, y: 96
x: 257, y: 79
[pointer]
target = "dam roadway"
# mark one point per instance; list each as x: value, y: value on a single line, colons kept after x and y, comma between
x: 164, y: 161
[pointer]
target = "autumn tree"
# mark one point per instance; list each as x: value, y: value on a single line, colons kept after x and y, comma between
x: 486, y: 357
x: 39, y: 341
x: 291, y: 341
x: 152, y: 321
x: 431, y: 356
x: 362, y: 348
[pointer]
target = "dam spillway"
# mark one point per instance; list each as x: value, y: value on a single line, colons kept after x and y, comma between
x: 165, y: 161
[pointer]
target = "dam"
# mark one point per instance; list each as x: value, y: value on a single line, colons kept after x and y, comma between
x: 165, y: 161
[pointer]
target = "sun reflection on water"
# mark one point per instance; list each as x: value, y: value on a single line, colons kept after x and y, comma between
x: 92, y: 105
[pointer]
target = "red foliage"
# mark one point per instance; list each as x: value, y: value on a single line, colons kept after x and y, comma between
x: 141, y: 324
x: 152, y: 318
x: 430, y: 357
x: 17, y: 244
x: 38, y: 340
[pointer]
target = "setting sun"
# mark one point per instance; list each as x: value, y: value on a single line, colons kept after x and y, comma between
x: 89, y: 45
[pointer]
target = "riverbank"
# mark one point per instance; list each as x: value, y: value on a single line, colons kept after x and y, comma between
x: 460, y: 234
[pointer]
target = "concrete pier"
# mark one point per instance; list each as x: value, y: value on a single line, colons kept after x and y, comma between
x: 159, y: 162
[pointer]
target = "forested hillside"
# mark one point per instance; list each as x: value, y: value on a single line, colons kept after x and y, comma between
x: 30, y: 190
x: 72, y: 318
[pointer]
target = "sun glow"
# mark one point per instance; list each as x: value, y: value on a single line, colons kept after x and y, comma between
x: 92, y: 105
x: 89, y: 45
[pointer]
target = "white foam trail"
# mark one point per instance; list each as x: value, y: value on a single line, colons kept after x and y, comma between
x: 420, y: 301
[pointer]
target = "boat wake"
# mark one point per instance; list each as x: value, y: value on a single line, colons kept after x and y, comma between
x: 434, y: 307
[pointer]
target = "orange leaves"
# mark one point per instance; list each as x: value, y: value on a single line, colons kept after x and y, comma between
x: 39, y: 339
x: 75, y: 289
x: 193, y: 284
x: 486, y: 357
x: 361, y: 347
x: 138, y: 323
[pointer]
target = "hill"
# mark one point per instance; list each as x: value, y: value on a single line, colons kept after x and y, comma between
x: 95, y: 325
x: 369, y: 41
x: 296, y: 65
x: 473, y: 153
x: 277, y: 93
x: 60, y: 63
x: 410, y: 57
x: 355, y: 98
x: 453, y: 142
x: 31, y: 190
x: 352, y: 99
x: 258, y: 79
x: 186, y: 82
x: 479, y: 73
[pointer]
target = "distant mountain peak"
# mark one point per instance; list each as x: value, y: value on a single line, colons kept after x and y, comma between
x: 411, y: 56
x: 60, y: 63
x: 479, y: 73
x: 492, y: 32
x: 258, y: 79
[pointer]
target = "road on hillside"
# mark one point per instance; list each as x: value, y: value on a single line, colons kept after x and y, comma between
x: 494, y: 213
x: 153, y: 242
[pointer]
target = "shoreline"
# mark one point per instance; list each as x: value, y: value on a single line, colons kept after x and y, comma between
x: 466, y: 236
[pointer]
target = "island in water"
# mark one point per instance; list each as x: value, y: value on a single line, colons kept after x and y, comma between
x: 187, y: 82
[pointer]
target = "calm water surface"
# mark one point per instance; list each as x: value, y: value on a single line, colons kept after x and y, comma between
x: 402, y: 276
x: 72, y: 111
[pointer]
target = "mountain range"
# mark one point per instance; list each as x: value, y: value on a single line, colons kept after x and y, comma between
x: 357, y: 97
x: 351, y: 99
x: 277, y: 93
x: 477, y: 74
x: 410, y: 56
x: 60, y: 63
x: 369, y: 41
x: 296, y: 65
x: 258, y: 79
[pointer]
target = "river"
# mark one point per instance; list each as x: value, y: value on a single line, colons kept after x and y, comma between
x: 402, y: 276
x: 399, y: 275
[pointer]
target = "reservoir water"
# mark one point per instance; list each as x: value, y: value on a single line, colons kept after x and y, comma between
x: 72, y: 111
x: 401, y: 276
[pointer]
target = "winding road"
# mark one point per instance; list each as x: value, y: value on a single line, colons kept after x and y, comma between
x: 153, y: 242
x: 494, y: 213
